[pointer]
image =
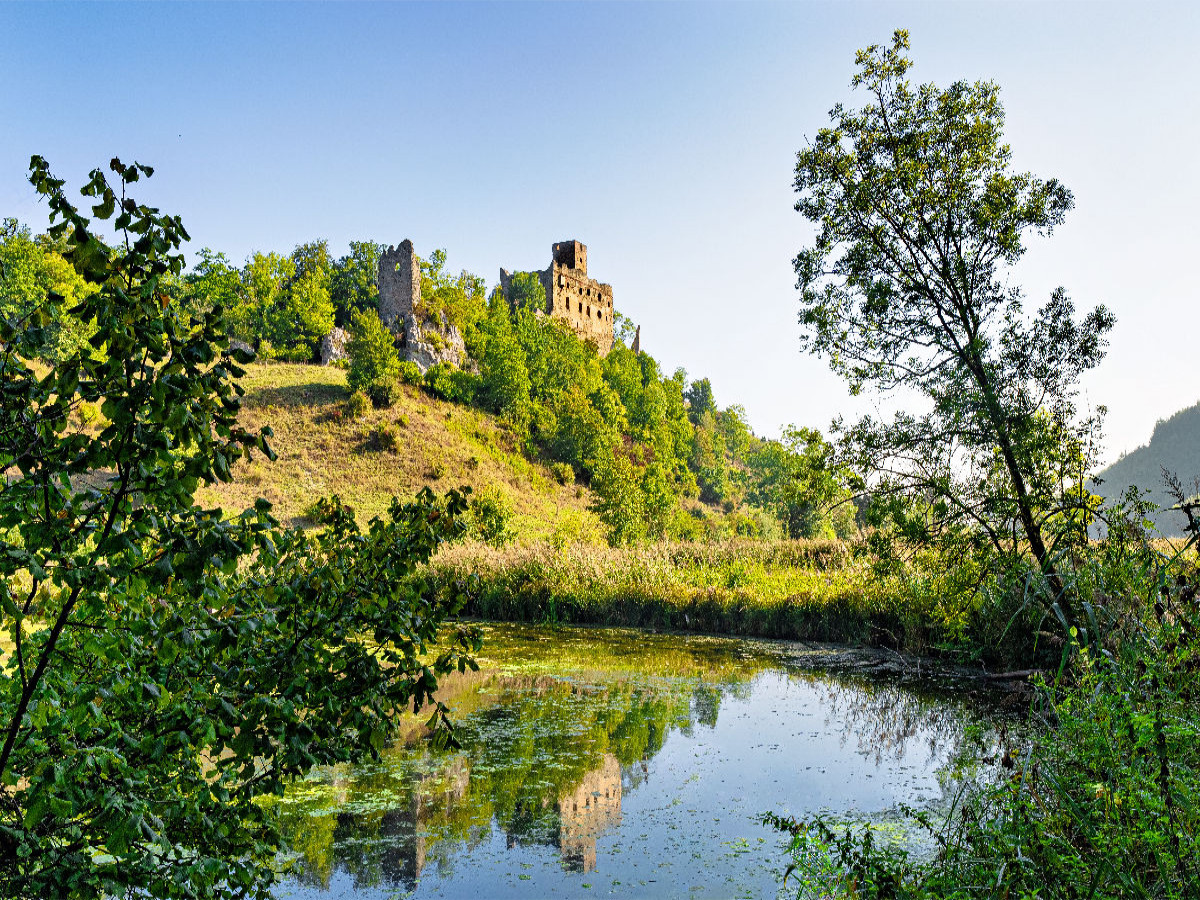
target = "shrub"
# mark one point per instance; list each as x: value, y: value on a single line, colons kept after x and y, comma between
x: 446, y: 382
x: 564, y: 473
x: 410, y: 372
x: 574, y: 527
x: 685, y: 526
x: 466, y: 386
x: 384, y: 438
x: 490, y: 514
x: 402, y: 420
x: 437, y: 381
x: 358, y: 405
x: 384, y: 393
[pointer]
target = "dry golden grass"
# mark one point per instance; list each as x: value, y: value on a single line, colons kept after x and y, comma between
x: 322, y: 452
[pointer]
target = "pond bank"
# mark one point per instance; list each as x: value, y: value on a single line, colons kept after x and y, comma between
x: 793, y: 590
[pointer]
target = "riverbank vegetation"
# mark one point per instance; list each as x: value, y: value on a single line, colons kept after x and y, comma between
x: 907, y: 286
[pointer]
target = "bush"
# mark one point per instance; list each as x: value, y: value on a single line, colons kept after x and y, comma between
x: 490, y: 514
x: 384, y: 438
x: 384, y: 393
x: 685, y: 526
x: 574, y: 527
x: 564, y: 473
x: 374, y: 362
x: 410, y: 372
x: 446, y: 382
x: 358, y: 405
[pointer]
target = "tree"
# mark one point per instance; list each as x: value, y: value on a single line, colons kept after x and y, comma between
x: 354, y: 284
x: 505, y: 379
x: 263, y: 279
x: 526, y: 291
x: 618, y: 498
x: 214, y: 281
x: 461, y: 298
x: 166, y: 665
x: 700, y: 400
x: 374, y: 362
x: 30, y: 268
x: 303, y: 310
x: 799, y: 479
x: 919, y: 218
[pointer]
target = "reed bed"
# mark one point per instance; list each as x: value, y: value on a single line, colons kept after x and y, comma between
x: 799, y: 590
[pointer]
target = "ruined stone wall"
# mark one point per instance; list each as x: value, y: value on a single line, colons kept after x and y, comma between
x: 425, y: 342
x: 582, y: 302
x: 399, y: 281
x: 585, y: 814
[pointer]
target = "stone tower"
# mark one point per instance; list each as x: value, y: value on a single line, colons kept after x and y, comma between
x: 399, y: 281
x: 425, y: 340
x: 584, y: 303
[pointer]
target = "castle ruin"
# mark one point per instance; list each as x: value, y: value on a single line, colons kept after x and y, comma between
x: 583, y: 303
x: 423, y: 341
x: 399, y: 283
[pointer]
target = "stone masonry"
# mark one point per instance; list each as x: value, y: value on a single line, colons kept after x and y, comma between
x: 583, y: 303
x: 399, y: 284
x: 423, y: 341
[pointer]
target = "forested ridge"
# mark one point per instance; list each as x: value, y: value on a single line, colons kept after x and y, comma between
x: 660, y: 456
x: 1172, y: 447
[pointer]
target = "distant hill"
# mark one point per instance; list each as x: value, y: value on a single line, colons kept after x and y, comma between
x: 1175, y: 446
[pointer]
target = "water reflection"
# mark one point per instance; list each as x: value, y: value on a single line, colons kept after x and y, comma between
x: 637, y: 758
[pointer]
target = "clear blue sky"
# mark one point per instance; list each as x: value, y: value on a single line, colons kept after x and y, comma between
x: 661, y: 135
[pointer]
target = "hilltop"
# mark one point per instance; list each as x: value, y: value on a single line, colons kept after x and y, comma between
x: 1173, y: 446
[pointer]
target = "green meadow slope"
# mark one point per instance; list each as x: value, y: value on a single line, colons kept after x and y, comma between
x: 439, y: 445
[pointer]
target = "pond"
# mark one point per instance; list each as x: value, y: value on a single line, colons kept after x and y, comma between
x: 627, y: 764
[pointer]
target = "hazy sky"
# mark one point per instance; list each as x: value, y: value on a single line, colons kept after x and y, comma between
x: 663, y: 136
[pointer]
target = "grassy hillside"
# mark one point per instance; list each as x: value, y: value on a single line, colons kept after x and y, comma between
x: 1175, y: 446
x: 439, y: 445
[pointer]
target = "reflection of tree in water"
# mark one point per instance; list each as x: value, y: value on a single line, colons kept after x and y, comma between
x: 706, y: 703
x: 544, y: 765
x: 883, y: 718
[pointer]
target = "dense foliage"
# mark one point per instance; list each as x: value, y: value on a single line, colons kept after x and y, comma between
x: 165, y: 665
x: 661, y: 457
x: 904, y: 288
x: 1100, y: 799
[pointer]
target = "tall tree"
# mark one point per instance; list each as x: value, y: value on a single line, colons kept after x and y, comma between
x: 213, y: 282
x: 905, y: 287
x: 263, y: 280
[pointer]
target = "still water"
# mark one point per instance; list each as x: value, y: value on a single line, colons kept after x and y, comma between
x: 620, y: 763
